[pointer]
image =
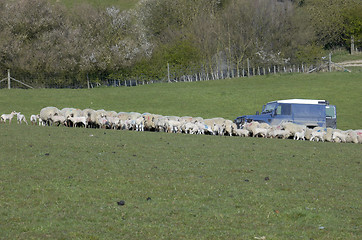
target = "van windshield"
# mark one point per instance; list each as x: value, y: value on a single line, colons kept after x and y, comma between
x: 269, y: 108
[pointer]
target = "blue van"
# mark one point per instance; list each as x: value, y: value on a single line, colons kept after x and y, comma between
x: 311, y: 113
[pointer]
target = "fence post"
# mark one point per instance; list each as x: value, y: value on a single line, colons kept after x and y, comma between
x: 352, y: 45
x: 248, y: 66
x: 274, y: 70
x: 168, y: 72
x: 88, y: 81
x: 9, y: 79
x: 330, y: 62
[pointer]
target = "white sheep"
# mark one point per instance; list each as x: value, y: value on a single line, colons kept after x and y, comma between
x: 359, y: 135
x: 300, y: 135
x: 339, y: 137
x: 46, y: 112
x: 229, y: 125
x: 352, y: 136
x: 293, y: 127
x: 114, y: 122
x: 262, y: 132
x: 58, y: 119
x: 9, y: 117
x: 76, y: 120
x: 34, y: 119
x: 21, y: 118
x: 218, y: 129
x: 173, y: 126
x: 279, y: 133
x: 318, y: 135
x: 139, y: 122
x: 241, y: 132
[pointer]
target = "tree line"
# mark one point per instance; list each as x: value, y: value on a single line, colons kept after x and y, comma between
x: 55, y: 46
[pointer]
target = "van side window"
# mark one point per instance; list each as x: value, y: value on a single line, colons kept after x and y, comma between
x: 284, y: 109
x: 330, y: 112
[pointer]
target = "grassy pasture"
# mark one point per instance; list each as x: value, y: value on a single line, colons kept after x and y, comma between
x: 63, y: 183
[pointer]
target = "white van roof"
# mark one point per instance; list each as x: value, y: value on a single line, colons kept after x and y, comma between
x: 303, y: 101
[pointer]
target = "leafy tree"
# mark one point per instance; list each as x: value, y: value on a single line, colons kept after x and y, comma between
x: 353, y: 24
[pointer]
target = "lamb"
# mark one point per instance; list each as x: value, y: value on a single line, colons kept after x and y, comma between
x: 241, y: 132
x: 300, y: 135
x: 34, y: 118
x: 77, y: 120
x: 5, y: 117
x: 21, y: 118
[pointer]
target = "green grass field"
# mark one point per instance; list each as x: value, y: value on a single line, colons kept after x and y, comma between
x: 64, y: 183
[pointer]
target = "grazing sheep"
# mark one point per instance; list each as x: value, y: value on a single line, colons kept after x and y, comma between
x: 173, y: 126
x: 279, y: 133
x: 339, y: 137
x: 359, y: 135
x: 229, y: 127
x: 152, y: 123
x: 58, y: 119
x: 46, y: 112
x: 9, y: 117
x: 21, y: 118
x: 34, y: 118
x: 262, y: 132
x: 218, y: 129
x: 91, y: 117
x: 352, y: 136
x: 250, y: 126
x: 114, y: 122
x: 329, y: 134
x: 292, y: 127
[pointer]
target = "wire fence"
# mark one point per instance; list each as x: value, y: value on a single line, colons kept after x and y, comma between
x: 174, y: 74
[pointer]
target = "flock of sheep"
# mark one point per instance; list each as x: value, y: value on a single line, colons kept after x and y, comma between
x: 72, y: 117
